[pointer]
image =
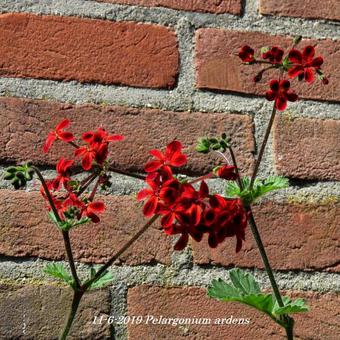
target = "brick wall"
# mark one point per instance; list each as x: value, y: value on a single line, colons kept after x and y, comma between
x: 155, y: 70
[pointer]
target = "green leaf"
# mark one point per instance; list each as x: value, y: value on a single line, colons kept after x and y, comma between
x: 246, y: 290
x: 58, y: 271
x: 296, y: 306
x: 260, y: 188
x: 102, y: 281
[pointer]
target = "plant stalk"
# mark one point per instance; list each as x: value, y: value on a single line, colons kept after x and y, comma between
x: 77, y: 295
x: 263, y: 146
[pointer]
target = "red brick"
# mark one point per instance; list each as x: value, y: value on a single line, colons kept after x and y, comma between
x: 219, y: 67
x: 210, y: 6
x: 25, y: 124
x: 85, y: 50
x: 27, y: 231
x: 321, y: 322
x: 330, y: 9
x: 43, y: 310
x: 296, y: 236
x: 307, y: 148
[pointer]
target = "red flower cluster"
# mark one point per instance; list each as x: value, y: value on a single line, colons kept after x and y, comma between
x: 187, y: 211
x: 296, y: 63
x: 279, y: 91
x: 68, y: 203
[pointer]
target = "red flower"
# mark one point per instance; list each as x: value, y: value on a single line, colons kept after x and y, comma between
x: 274, y: 55
x: 246, y: 54
x: 88, y: 154
x: 92, y: 209
x: 152, y: 193
x: 99, y: 137
x: 58, y: 133
x: 279, y: 91
x: 63, y: 178
x: 304, y: 64
x: 226, y: 172
x: 172, y: 157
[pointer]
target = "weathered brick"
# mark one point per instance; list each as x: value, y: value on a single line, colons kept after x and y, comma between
x: 330, y: 9
x: 38, y: 312
x: 321, y: 322
x: 307, y: 148
x: 25, y: 124
x: 210, y: 6
x: 219, y: 67
x: 85, y: 50
x: 27, y: 231
x: 296, y: 236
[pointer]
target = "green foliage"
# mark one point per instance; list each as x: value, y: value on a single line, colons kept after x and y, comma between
x: 102, y: 281
x: 58, y: 271
x: 19, y: 175
x: 246, y: 290
x: 260, y: 188
x: 205, y: 145
x: 68, y: 223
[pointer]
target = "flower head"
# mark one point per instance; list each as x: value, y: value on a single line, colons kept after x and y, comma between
x: 246, y: 54
x: 62, y: 178
x: 274, y: 55
x: 280, y: 92
x: 58, y: 133
x: 304, y: 64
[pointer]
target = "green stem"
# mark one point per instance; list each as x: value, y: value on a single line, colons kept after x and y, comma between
x: 127, y: 245
x: 77, y: 295
x: 263, y: 146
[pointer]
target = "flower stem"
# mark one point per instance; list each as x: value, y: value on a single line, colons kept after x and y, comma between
x: 202, y: 178
x: 126, y: 173
x: 263, y: 146
x: 77, y: 295
x: 126, y: 246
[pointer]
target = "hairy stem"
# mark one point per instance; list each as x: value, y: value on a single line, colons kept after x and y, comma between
x: 232, y: 154
x: 263, y: 147
x: 77, y: 295
x: 86, y: 184
x: 202, y: 178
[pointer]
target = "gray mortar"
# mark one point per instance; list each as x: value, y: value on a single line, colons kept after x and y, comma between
x: 30, y: 271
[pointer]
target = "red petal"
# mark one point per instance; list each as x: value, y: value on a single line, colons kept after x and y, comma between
x: 238, y: 244
x: 178, y: 159
x: 97, y: 206
x: 150, y: 207
x: 295, y: 71
x: 87, y: 136
x: 204, y: 190
x: 66, y: 136
x: 158, y: 154
x: 115, y: 138
x: 87, y: 161
x: 143, y: 194
x: 63, y: 124
x: 317, y: 62
x: 195, y: 214
x: 308, y: 53
x: 292, y: 97
x: 80, y: 151
x: 182, y: 242
x: 281, y: 103
x: 49, y: 141
x: 94, y: 218
x: 212, y: 241
x: 152, y: 166
x: 309, y: 74
x: 285, y: 84
x: 295, y: 56
x: 270, y: 95
x: 172, y: 147
x: 168, y: 219
x: 274, y: 85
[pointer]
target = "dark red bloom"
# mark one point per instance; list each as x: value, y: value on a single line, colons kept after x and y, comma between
x: 88, y: 155
x: 279, y: 91
x: 274, y: 55
x: 58, y: 133
x: 172, y: 157
x: 63, y: 167
x: 246, y: 54
x: 227, y: 172
x: 304, y: 64
x: 92, y: 209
